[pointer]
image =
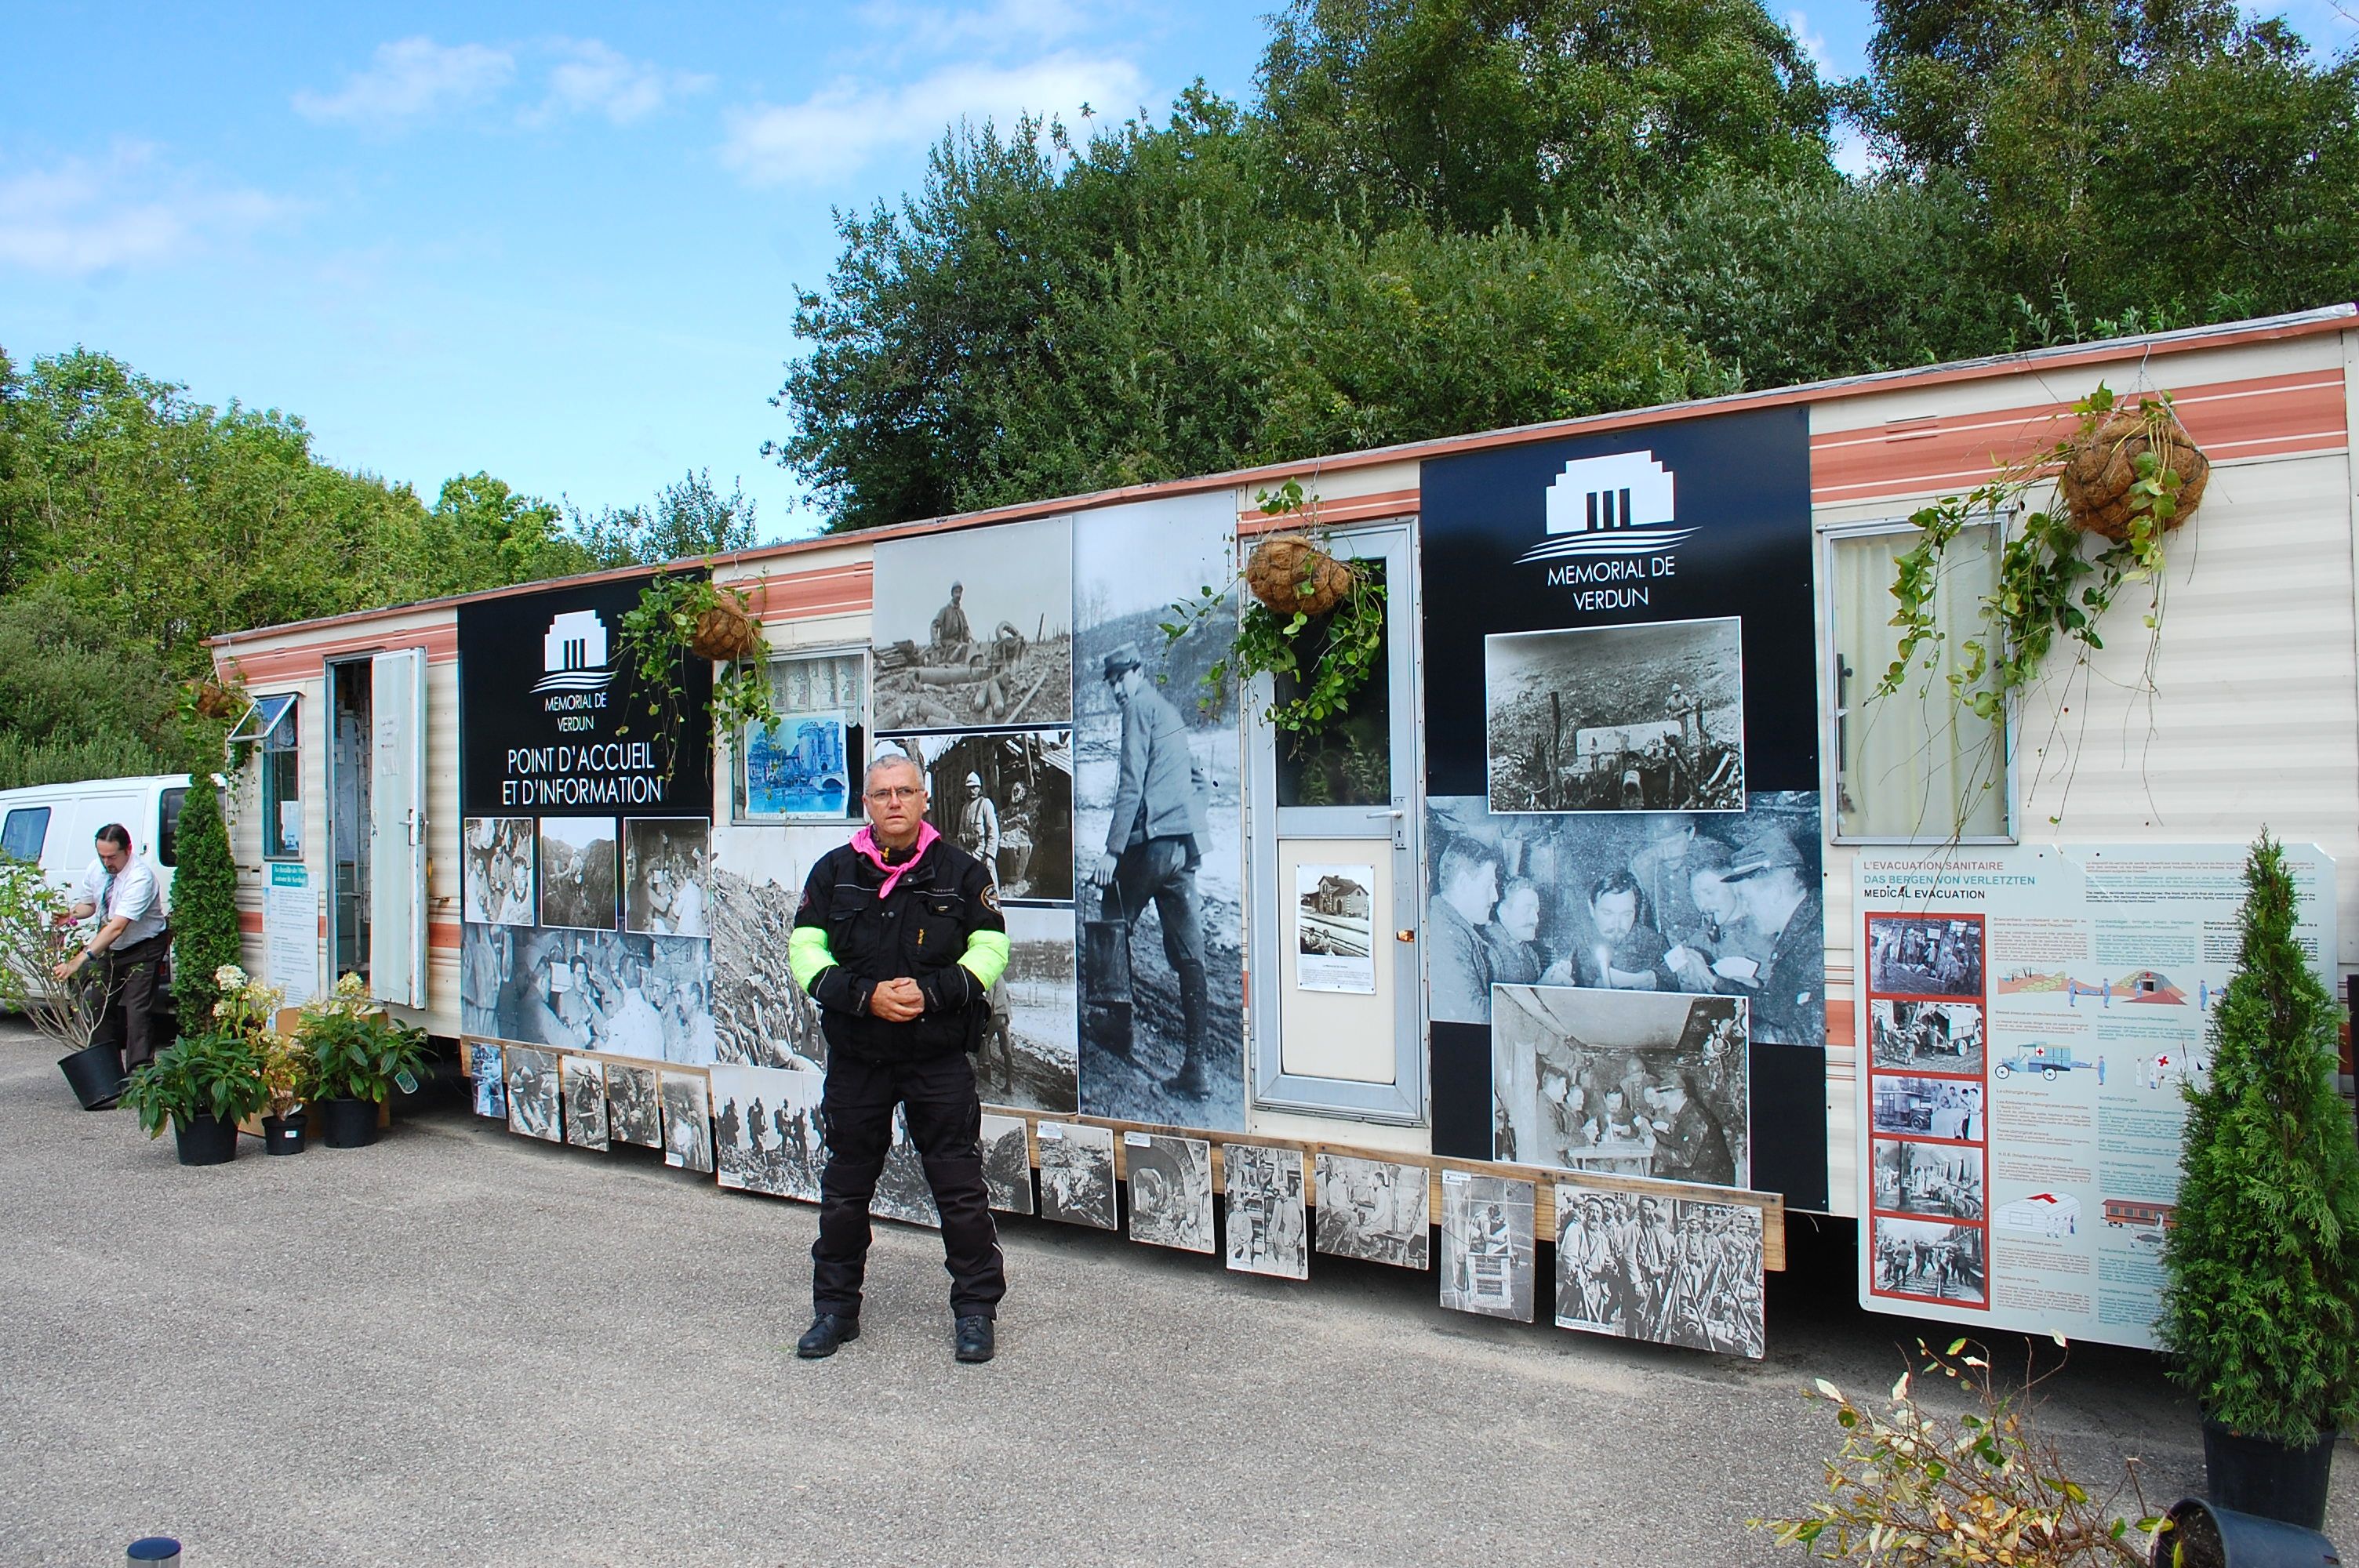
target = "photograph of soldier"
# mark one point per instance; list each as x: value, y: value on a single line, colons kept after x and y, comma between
x: 1915, y: 955
x: 1170, y: 1191
x: 1375, y: 1209
x: 1938, y: 1036
x: 902, y: 1191
x: 584, y: 1079
x: 974, y: 628
x: 1642, y: 1266
x: 1931, y: 1107
x: 1268, y: 1224
x: 1159, y: 823
x: 667, y: 886
x: 607, y: 991
x: 1928, y: 1257
x: 1007, y: 800
x: 1928, y: 1178
x: 767, y: 1133
x: 687, y: 1120
x: 1644, y: 718
x: 495, y: 870
x: 1077, y: 1173
x: 577, y: 872
x: 633, y: 1112
x: 1487, y: 1244
x: 1007, y: 1163
x: 760, y: 1017
x: 533, y: 1093
x: 1630, y: 1083
x: 487, y: 1079
x: 1711, y: 903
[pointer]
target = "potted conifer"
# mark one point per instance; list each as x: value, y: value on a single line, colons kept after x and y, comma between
x: 2261, y: 1297
x: 205, y: 936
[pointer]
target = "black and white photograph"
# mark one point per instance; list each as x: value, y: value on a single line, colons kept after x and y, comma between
x: 766, y: 1130
x: 666, y: 883
x: 495, y: 870
x: 1675, y: 1271
x: 1621, y: 1083
x: 1926, y: 1178
x: 687, y: 1120
x: 1268, y: 1227
x: 1725, y: 905
x: 1006, y: 798
x: 1487, y: 1244
x: 1007, y: 1163
x: 1916, y: 955
x: 760, y: 1017
x: 1643, y: 718
x: 902, y: 1191
x: 633, y: 1111
x: 1926, y: 1108
x: 585, y: 1082
x: 1030, y: 1057
x: 1375, y: 1209
x: 1932, y: 1036
x: 1170, y: 1190
x: 1158, y: 819
x: 534, y: 1093
x: 577, y: 872
x: 1930, y: 1259
x: 1333, y: 920
x: 974, y: 628
x: 1077, y: 1173
x: 606, y: 991
x: 487, y: 1078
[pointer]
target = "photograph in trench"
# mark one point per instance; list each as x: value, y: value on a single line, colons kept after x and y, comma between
x: 1932, y: 1036
x: 1641, y: 718
x: 902, y: 1191
x: 1159, y: 839
x: 487, y: 1078
x: 495, y: 870
x: 633, y: 1113
x: 1487, y: 1244
x: 1077, y: 1173
x: 1927, y: 1108
x: 1007, y: 800
x: 666, y: 880
x: 766, y: 1130
x: 974, y: 627
x: 1170, y: 1190
x: 760, y: 1017
x: 1380, y: 1210
x: 1621, y: 1083
x: 585, y: 1082
x: 1268, y: 1229
x: 533, y: 1093
x: 687, y: 1120
x: 1703, y: 904
x: 1030, y: 1057
x: 1333, y: 923
x: 1675, y: 1271
x: 577, y: 872
x: 1918, y: 955
x: 607, y: 991
x: 1937, y: 1179
x: 1007, y: 1163
x: 1930, y: 1259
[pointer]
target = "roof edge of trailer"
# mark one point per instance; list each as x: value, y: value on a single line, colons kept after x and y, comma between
x: 2294, y: 324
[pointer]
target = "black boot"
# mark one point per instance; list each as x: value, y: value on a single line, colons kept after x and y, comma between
x: 827, y: 1331
x: 1188, y: 1082
x: 972, y: 1341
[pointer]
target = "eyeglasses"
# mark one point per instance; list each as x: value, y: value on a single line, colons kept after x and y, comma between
x: 897, y: 793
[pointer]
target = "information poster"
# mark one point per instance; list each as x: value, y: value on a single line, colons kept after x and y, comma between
x: 290, y: 932
x: 1333, y: 950
x: 2026, y: 1018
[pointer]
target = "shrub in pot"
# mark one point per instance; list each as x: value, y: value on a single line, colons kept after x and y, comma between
x: 287, y: 1075
x: 36, y: 934
x: 357, y: 1053
x: 203, y: 1086
x: 2261, y: 1297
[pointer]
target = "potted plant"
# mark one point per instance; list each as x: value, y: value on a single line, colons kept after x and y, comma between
x: 2260, y: 1307
x: 206, y: 1084
x: 35, y: 934
x: 287, y: 1076
x: 357, y: 1054
x: 678, y: 618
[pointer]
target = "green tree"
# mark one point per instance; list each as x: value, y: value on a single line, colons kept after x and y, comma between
x: 204, y: 904
x: 689, y: 518
x: 481, y: 534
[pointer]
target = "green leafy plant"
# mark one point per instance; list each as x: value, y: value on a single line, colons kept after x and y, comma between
x: 36, y: 934
x: 205, y: 937
x: 658, y: 636
x: 215, y: 1072
x: 357, y: 1050
x: 2260, y: 1307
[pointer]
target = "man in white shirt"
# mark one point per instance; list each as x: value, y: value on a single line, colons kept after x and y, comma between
x: 131, y: 942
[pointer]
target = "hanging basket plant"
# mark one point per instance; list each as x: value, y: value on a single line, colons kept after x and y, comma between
x: 679, y: 618
x: 1291, y: 575
x: 2122, y: 464
x: 723, y: 631
x: 213, y: 698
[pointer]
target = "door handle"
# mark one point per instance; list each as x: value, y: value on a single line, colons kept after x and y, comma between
x: 1387, y: 814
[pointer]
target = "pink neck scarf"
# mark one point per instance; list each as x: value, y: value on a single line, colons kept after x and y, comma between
x: 865, y: 842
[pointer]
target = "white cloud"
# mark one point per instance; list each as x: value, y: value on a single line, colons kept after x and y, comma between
x: 128, y: 209
x: 992, y: 26
x: 596, y: 77
x: 411, y: 79
x: 1814, y: 44
x: 850, y: 121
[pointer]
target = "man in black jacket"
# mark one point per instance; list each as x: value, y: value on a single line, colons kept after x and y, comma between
x: 898, y: 939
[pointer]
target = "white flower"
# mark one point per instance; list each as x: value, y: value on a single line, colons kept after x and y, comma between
x: 229, y: 977
x: 220, y: 1010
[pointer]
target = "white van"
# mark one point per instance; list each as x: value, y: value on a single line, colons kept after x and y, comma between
x: 55, y: 826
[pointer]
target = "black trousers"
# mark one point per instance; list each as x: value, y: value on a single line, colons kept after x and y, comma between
x: 128, y: 1019
x: 945, y: 1119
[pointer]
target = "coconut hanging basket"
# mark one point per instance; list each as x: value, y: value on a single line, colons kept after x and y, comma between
x: 725, y: 632
x: 211, y: 700
x: 1289, y: 573
x: 2096, y: 478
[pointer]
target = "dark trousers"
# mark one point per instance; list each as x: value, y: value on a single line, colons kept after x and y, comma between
x: 1162, y: 871
x: 945, y: 1118
x: 128, y: 1001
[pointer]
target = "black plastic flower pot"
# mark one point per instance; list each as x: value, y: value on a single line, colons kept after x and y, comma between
x: 96, y: 1074
x: 2270, y: 1480
x: 205, y: 1141
x: 2203, y: 1535
x: 283, y: 1134
x: 348, y: 1123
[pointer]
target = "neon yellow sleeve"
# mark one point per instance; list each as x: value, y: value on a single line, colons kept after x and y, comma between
x: 985, y: 957
x: 807, y: 955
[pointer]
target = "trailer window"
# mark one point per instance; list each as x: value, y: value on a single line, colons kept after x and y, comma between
x: 807, y: 766
x: 22, y: 834
x: 282, y: 788
x: 1913, y: 767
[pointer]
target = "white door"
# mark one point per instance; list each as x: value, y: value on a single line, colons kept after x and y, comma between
x: 398, y: 829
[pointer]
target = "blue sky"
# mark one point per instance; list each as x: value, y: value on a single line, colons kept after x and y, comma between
x: 558, y: 243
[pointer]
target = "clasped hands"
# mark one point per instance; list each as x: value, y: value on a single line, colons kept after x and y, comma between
x: 897, y: 1000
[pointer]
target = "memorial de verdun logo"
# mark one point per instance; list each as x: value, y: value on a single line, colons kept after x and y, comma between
x: 1612, y: 521
x: 578, y: 667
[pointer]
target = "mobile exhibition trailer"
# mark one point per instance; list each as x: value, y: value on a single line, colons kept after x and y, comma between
x: 1620, y: 914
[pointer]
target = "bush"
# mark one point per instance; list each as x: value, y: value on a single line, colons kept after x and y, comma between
x: 357, y: 1052
x: 204, y: 902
